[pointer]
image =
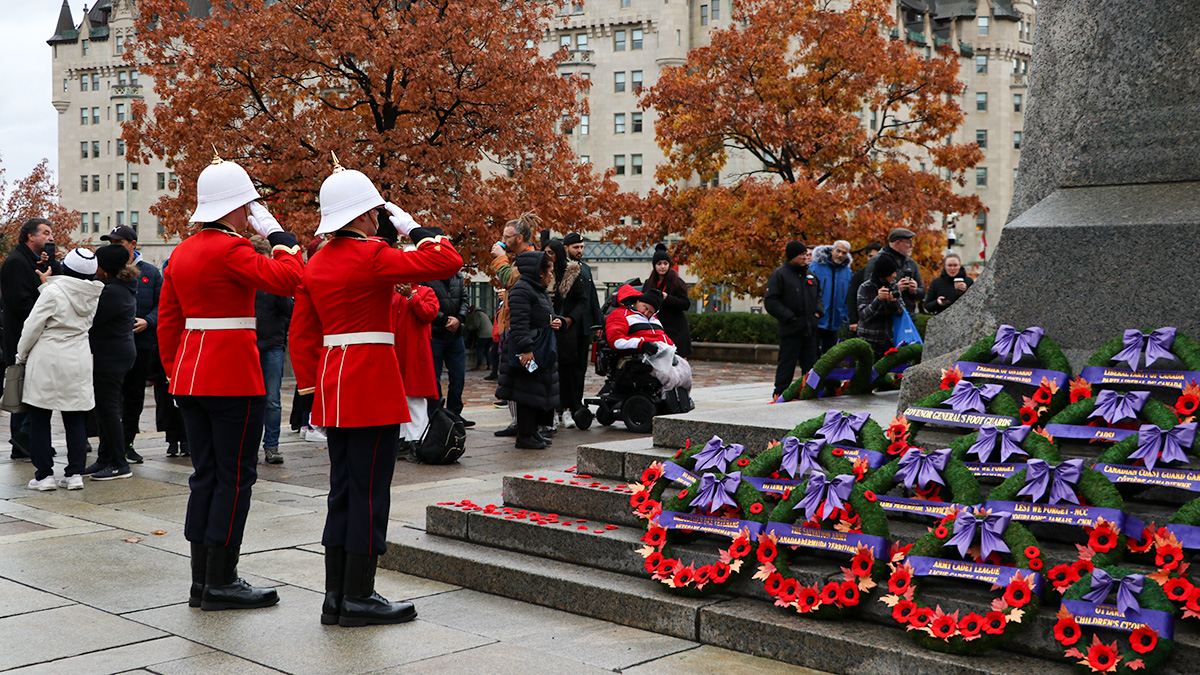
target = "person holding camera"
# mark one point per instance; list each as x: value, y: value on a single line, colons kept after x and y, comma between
x: 879, y: 304
x: 948, y: 286
x: 908, y: 273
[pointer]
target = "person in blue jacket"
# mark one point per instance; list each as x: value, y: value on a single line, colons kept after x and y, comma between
x: 831, y: 266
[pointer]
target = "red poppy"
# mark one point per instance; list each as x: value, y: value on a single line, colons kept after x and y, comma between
x: 941, y: 532
x: 1033, y: 552
x: 861, y: 564
x: 1028, y: 416
x: 720, y: 573
x: 1067, y: 632
x: 994, y: 623
x: 848, y: 594
x: 1042, y: 396
x: 740, y: 548
x: 1082, y: 567
x: 145, y: 280
x: 639, y: 498
x: 766, y: 551
x: 903, y: 611
x: 651, y: 474
x: 1178, y: 589
x: 944, y: 626
x: 806, y: 599
x: 897, y: 430
x: 900, y: 581
x: 774, y: 584
x: 1035, y: 564
x: 970, y: 625
x: 1187, y: 404
x: 790, y: 590
x: 669, y: 567
x: 683, y: 494
x: 1101, y: 657
x: 1193, y: 601
x: 756, y: 508
x: 1147, y: 541
x: 1169, y: 557
x: 1144, y: 639
x: 869, y: 496
x: 921, y: 617
x: 703, y: 575
x: 653, y: 561
x: 743, y: 462
x: 683, y: 577
x: 829, y: 594
x: 897, y: 448
x: 838, y: 451
x: 1017, y: 594
x: 1102, y: 539
x: 655, y: 536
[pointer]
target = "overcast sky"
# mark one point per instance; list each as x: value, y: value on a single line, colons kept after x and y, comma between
x: 28, y: 123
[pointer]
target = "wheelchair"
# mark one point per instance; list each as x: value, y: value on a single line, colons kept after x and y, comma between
x: 630, y: 393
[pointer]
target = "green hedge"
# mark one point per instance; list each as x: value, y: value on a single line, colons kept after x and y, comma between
x: 733, y: 327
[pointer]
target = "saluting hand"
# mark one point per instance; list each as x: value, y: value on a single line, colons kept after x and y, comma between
x: 262, y: 221
x: 403, y: 222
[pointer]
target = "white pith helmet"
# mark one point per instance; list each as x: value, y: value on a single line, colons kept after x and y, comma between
x: 221, y: 188
x: 345, y: 195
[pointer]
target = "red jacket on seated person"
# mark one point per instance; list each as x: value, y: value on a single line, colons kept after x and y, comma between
x: 627, y: 328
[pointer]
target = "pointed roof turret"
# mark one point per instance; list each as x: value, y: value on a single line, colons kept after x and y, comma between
x: 65, y: 30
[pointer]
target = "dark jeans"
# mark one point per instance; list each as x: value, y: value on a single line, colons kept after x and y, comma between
x: 39, y: 441
x: 271, y: 360
x: 223, y: 434
x: 494, y: 355
x: 451, y: 352
x: 361, y: 463
x: 528, y: 419
x: 484, y: 352
x: 107, y: 387
x: 570, y: 386
x: 19, y: 428
x: 827, y: 339
x: 793, y: 349
x: 133, y: 393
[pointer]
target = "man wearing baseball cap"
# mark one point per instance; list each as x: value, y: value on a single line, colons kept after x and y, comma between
x: 206, y: 333
x: 145, y: 338
x: 908, y: 275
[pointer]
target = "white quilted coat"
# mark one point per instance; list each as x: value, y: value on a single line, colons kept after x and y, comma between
x: 54, y: 345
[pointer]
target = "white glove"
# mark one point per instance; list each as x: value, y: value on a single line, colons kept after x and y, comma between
x: 403, y: 222
x: 262, y: 221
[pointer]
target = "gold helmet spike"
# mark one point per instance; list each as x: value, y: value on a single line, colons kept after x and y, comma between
x: 216, y: 157
x: 337, y: 167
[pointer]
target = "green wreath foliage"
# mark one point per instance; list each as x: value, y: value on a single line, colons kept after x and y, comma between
x: 871, y: 436
x: 1094, y: 486
x: 1160, y: 416
x: 1185, y: 348
x: 910, y: 354
x: 1154, y: 412
x: 856, y: 349
x: 1151, y: 597
x: 1048, y: 353
x: 964, y: 487
x: 1044, y: 450
x: 1002, y: 404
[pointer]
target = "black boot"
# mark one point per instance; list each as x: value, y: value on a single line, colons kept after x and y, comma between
x: 335, y: 579
x: 361, y: 605
x: 224, y: 590
x: 199, y: 565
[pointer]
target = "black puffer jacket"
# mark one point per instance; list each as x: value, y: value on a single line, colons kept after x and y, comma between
x: 111, y: 335
x: 675, y: 305
x: 530, y: 312
x: 794, y: 298
x: 943, y: 286
x: 452, y: 302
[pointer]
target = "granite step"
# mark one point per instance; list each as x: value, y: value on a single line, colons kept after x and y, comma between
x: 621, y: 460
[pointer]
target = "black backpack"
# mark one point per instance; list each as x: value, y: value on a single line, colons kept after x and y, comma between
x: 445, y: 439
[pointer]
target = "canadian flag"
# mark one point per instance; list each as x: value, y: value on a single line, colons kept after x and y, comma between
x: 983, y: 245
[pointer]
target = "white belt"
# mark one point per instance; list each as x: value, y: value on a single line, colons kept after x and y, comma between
x: 367, y: 338
x: 224, y: 323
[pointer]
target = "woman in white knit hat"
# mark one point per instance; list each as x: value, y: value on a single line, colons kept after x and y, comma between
x: 58, y: 366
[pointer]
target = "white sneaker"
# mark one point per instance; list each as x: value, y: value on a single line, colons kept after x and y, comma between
x: 71, y: 482
x: 304, y: 432
x: 316, y: 435
x: 45, y: 485
x: 566, y: 420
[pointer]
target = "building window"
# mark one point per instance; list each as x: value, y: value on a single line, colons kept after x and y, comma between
x: 133, y: 77
x: 95, y: 116
x: 619, y: 123
x: 83, y: 81
x: 95, y: 183
x: 981, y: 64
x: 83, y: 47
x: 580, y: 43
x: 120, y: 44
x: 981, y: 101
x: 636, y: 165
x: 583, y: 130
x: 133, y: 221
x: 619, y: 82
x: 637, y: 123
x: 64, y: 84
x: 95, y: 222
x: 625, y: 3
x: 564, y: 41
x: 120, y: 112
x: 1016, y: 140
x: 161, y: 230
x: 618, y: 40
x: 585, y: 159
x: 619, y: 164
x: 133, y: 181
x: 1016, y: 103
x: 120, y: 181
x: 566, y: 128
x: 981, y: 138
x: 703, y: 15
x: 980, y: 176
x: 120, y: 218
x: 636, y: 80
x: 83, y: 116
x: 678, y: 37
x: 120, y: 147
x: 983, y: 23
x: 161, y: 183
x: 171, y: 183
x: 716, y: 10
x: 83, y: 222
x: 636, y: 38
x: 83, y: 149
x: 83, y: 184
x: 981, y: 220
x: 121, y: 78
x: 95, y: 148
x: 95, y: 81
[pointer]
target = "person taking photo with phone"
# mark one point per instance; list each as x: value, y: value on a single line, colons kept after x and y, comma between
x: 948, y: 286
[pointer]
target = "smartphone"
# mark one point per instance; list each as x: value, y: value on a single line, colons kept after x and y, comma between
x: 49, y: 250
x: 532, y: 366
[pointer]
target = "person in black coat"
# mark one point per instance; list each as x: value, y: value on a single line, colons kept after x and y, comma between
x: 676, y: 302
x: 113, y: 354
x: 531, y: 315
x: 948, y: 286
x: 870, y: 251
x: 793, y: 297
x: 570, y: 302
x: 447, y: 342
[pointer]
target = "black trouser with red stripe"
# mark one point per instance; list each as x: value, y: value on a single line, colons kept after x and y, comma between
x: 361, y: 463
x: 223, y: 433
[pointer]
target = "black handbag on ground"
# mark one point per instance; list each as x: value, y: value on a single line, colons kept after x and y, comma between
x: 445, y: 439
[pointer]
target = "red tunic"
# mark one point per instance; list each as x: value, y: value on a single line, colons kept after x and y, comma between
x: 348, y: 288
x: 411, y: 320
x: 211, y: 275
x: 627, y: 329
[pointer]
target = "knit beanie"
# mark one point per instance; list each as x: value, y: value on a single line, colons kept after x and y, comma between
x: 885, y: 265
x: 112, y: 258
x: 794, y: 248
x: 82, y: 262
x: 660, y: 253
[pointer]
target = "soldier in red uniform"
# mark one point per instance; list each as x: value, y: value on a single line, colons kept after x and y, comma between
x: 209, y: 351
x: 341, y: 344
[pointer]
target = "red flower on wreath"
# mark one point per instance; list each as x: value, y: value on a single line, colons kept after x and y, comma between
x: 655, y: 536
x: 740, y: 547
x: 790, y: 590
x: 897, y: 448
x: 766, y: 550
x: 1187, y: 404
x: 1168, y: 557
x: 1028, y: 416
x: 1178, y: 589
x: 941, y: 532
x: 994, y: 623
x: 970, y: 625
x: 683, y: 494
x: 1144, y: 639
x: 720, y: 573
x: 1082, y: 567
x: 944, y: 626
x: 1102, y: 539
x: 653, y: 561
x: 898, y: 429
x: 861, y: 564
x: 756, y: 508
x: 921, y: 617
x: 1042, y: 396
x: 1062, y: 576
x: 950, y: 377
x: 848, y: 594
x: 1066, y: 631
x: 683, y: 577
x: 1035, y: 564
x: 829, y: 594
x: 1147, y: 540
x: 669, y: 567
x: 1101, y: 657
x: 838, y: 452
x: 1080, y: 389
x: 1033, y: 552
x: 774, y: 584
x: 1018, y: 593
x: 870, y: 496
x: 901, y: 580
x: 639, y: 499
x: 702, y: 575
x: 743, y: 462
x: 904, y: 610
x: 806, y: 599
x: 1193, y: 601
x: 652, y: 474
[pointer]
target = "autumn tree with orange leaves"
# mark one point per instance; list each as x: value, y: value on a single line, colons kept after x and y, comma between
x: 34, y: 196
x: 420, y: 96
x: 789, y: 88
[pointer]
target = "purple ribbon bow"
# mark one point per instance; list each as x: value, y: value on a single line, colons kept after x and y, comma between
x: 990, y: 534
x: 1115, y: 406
x: 1127, y: 589
x: 820, y: 489
x: 919, y: 469
x: 1010, y: 442
x: 967, y: 396
x: 717, y: 455
x: 1157, y: 345
x: 1165, y: 444
x: 717, y: 492
x: 799, y: 458
x: 841, y: 426
x: 1061, y: 480
x: 1017, y: 343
